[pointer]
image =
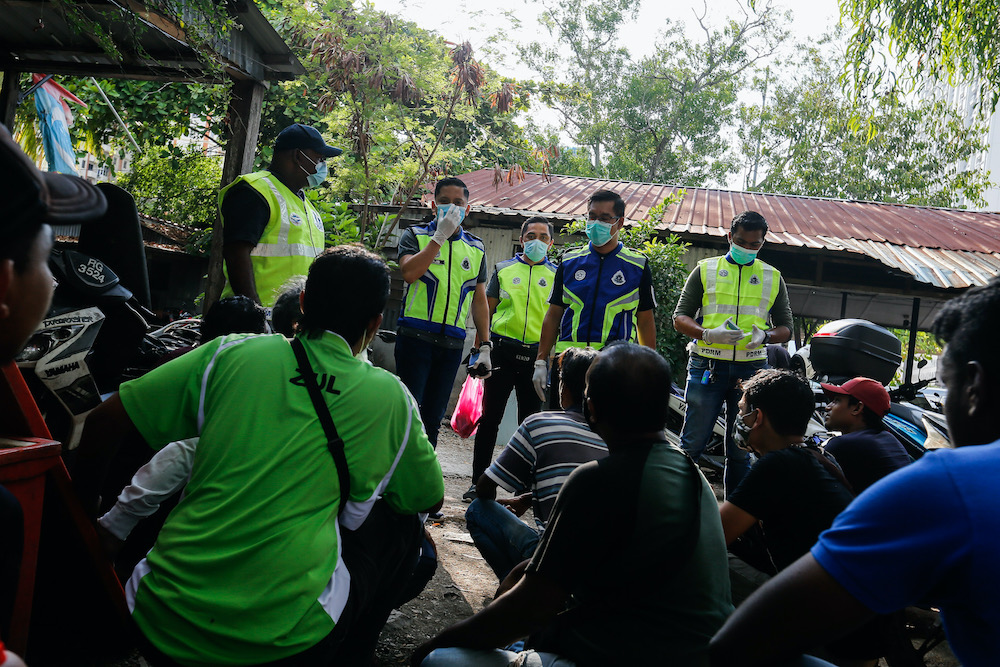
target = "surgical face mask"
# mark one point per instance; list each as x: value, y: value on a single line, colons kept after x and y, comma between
x: 535, y: 250
x: 742, y: 255
x: 741, y: 432
x: 599, y: 232
x: 442, y: 210
x: 313, y: 180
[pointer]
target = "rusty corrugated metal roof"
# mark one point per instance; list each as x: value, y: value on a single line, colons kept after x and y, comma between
x: 942, y: 247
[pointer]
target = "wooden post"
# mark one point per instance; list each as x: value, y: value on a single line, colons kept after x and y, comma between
x: 245, y: 105
x: 8, y: 97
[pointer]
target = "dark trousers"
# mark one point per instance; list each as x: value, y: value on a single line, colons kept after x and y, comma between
x: 428, y: 371
x: 512, y: 374
x: 380, y: 556
x: 11, y: 547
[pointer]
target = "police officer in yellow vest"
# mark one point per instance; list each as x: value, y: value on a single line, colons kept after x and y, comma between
x: 444, y: 267
x: 517, y: 295
x: 271, y: 231
x: 744, y: 305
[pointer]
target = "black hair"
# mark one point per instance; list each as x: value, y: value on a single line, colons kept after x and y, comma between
x: 234, y: 314
x: 286, y: 312
x: 573, y: 365
x: 968, y: 325
x: 629, y: 385
x: 749, y: 221
x: 609, y: 195
x: 347, y: 286
x: 451, y: 180
x: 785, y: 397
x: 872, y: 421
x: 535, y: 219
x: 17, y: 244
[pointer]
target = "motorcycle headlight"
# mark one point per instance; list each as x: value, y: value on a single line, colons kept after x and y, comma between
x: 43, y: 341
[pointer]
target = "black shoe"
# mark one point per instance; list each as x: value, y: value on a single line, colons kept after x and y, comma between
x: 435, y: 516
x: 469, y: 495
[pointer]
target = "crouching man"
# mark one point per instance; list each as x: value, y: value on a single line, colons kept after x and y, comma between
x: 294, y: 537
x: 632, y: 567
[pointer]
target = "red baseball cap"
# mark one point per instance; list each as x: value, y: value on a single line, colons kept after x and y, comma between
x: 870, y: 392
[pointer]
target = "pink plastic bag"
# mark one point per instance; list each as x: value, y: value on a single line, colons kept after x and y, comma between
x: 469, y: 410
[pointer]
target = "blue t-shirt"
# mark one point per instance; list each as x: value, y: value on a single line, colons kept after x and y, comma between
x: 927, y: 534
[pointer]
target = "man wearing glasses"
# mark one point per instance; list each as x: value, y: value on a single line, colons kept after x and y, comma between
x: 744, y: 305
x: 601, y: 293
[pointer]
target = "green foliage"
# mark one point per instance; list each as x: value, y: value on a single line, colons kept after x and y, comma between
x: 805, y: 142
x: 659, y: 119
x: 950, y: 40
x: 182, y: 189
x: 667, y: 266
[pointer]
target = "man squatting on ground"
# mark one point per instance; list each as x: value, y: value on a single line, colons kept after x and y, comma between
x: 540, y: 456
x: 444, y: 268
x: 33, y: 201
x: 517, y: 293
x: 286, y: 546
x: 602, y: 292
x: 736, y: 295
x: 271, y: 231
x: 633, y: 549
x: 927, y: 534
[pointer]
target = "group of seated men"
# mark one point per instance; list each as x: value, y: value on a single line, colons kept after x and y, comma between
x: 300, y: 527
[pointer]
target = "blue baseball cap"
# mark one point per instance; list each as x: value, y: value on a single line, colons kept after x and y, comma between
x: 299, y: 136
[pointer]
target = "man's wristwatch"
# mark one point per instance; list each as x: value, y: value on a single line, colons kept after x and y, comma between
x: 767, y: 336
x: 487, y: 343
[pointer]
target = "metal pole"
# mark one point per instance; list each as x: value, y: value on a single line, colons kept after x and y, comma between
x: 117, y: 117
x: 911, y: 347
x: 843, y: 305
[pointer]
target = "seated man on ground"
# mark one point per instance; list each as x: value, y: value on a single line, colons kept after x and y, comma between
x: 793, y: 493
x: 866, y: 451
x: 546, y: 448
x: 294, y: 538
x: 927, y: 534
x: 632, y: 566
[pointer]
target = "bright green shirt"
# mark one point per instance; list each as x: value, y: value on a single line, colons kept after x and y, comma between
x: 247, y: 568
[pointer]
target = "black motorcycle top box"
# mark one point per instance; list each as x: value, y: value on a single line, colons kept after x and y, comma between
x: 851, y: 348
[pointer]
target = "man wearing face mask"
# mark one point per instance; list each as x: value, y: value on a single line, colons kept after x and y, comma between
x: 516, y: 294
x: 271, y: 230
x: 793, y: 492
x: 602, y: 293
x: 737, y: 295
x: 444, y: 268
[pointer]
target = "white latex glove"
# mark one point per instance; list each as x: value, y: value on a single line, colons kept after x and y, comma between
x: 726, y: 333
x: 540, y: 378
x: 757, y: 337
x: 448, y: 223
x: 483, y: 365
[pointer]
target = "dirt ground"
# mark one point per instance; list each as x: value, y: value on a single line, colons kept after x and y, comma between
x: 464, y: 583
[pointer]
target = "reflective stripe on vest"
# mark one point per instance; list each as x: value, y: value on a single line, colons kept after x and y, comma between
x: 744, y: 293
x: 601, y: 293
x: 440, y: 300
x: 524, y: 292
x: 291, y: 240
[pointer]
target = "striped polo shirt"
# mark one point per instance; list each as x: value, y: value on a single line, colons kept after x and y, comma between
x: 546, y: 448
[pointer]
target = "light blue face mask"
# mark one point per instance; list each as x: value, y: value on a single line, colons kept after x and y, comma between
x: 442, y: 210
x: 742, y: 255
x: 599, y: 232
x: 535, y: 250
x: 315, y: 179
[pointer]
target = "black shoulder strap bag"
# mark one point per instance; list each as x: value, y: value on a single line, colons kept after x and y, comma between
x: 334, y: 443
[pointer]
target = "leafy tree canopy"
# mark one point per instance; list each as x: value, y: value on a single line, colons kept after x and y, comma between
x: 804, y: 141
